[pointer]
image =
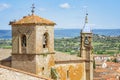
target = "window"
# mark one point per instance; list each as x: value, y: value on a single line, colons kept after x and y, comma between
x: 23, y: 40
x: 45, y: 40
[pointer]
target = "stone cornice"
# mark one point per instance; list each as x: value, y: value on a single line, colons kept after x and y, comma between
x: 32, y: 53
x: 73, y: 61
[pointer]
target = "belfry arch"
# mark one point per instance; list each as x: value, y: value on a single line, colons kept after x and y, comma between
x: 45, y: 40
x: 23, y: 40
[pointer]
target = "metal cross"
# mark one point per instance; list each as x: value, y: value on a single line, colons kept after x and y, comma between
x: 33, y: 7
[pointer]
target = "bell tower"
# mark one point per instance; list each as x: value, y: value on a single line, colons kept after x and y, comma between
x: 86, y: 49
x: 33, y: 44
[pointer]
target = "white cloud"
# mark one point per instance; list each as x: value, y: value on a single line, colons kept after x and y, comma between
x: 65, y: 5
x: 4, y: 6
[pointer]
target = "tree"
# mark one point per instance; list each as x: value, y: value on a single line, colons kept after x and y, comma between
x: 94, y: 65
x: 119, y: 47
x: 114, y: 60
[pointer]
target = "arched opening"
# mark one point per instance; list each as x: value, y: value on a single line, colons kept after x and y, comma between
x: 86, y: 42
x: 23, y: 41
x: 45, y: 40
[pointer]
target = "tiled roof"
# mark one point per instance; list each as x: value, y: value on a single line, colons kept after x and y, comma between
x: 33, y: 19
x: 22, y: 72
x: 101, y: 70
x: 60, y: 56
x: 110, y: 72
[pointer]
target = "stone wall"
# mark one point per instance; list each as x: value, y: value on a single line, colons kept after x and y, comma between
x: 40, y: 31
x: 34, y: 42
x: 37, y: 64
x: 17, y: 32
x: 44, y: 64
x: 24, y: 62
x: 7, y: 73
x: 72, y: 71
x: 31, y: 58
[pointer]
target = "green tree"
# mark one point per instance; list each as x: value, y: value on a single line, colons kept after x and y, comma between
x: 114, y: 60
x: 119, y: 47
x: 94, y: 65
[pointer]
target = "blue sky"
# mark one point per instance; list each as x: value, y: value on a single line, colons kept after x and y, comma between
x: 103, y: 14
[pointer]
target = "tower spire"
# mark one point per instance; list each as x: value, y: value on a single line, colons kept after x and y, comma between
x: 86, y: 18
x: 33, y: 7
x: 86, y: 27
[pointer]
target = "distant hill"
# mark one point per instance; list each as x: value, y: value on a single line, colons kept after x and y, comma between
x: 5, y: 34
x: 76, y: 32
x: 60, y: 33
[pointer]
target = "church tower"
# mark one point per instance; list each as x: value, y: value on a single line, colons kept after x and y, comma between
x: 33, y: 44
x: 86, y: 49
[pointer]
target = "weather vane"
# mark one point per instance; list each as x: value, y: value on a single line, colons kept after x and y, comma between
x: 33, y: 7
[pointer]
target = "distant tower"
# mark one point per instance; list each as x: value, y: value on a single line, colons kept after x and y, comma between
x: 33, y: 44
x: 86, y: 49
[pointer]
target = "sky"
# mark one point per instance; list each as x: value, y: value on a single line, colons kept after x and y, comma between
x: 103, y: 14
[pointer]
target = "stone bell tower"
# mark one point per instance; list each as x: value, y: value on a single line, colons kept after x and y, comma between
x: 86, y: 49
x: 33, y: 44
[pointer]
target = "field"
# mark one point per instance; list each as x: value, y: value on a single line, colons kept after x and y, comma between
x: 101, y: 44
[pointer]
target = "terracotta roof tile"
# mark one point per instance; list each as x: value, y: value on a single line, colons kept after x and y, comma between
x: 33, y: 19
x: 101, y: 70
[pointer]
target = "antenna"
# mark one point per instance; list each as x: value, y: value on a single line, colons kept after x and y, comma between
x: 33, y: 7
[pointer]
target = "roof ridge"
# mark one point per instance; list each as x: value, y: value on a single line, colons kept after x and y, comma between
x: 28, y: 73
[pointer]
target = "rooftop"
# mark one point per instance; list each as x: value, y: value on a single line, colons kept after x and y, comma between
x: 111, y: 72
x: 32, y: 19
x: 59, y: 56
